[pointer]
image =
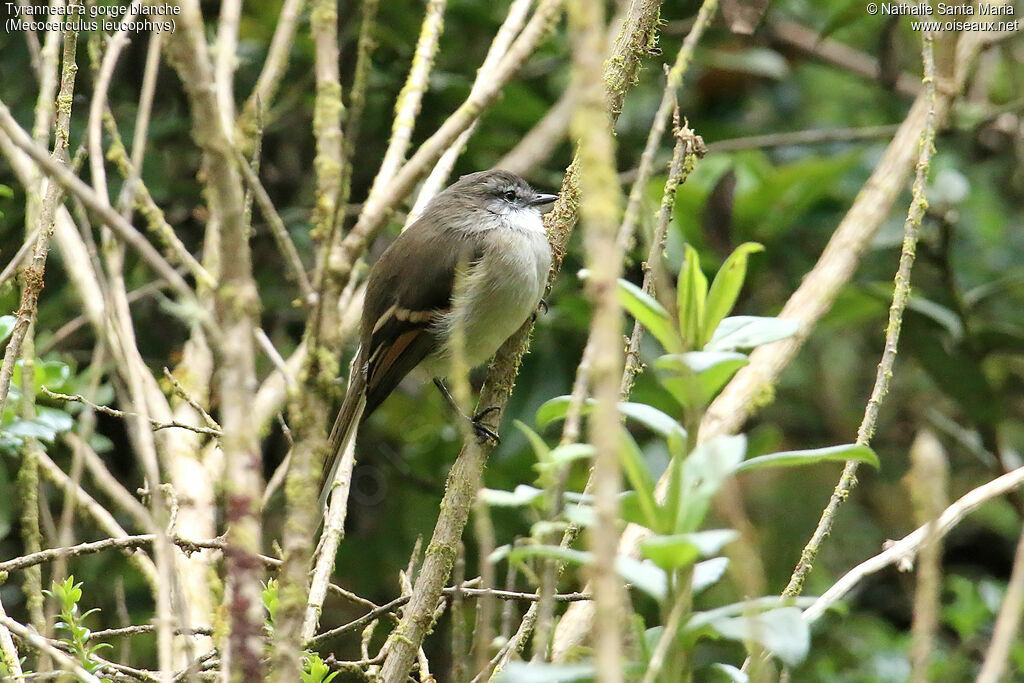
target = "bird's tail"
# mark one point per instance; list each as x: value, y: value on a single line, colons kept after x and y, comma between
x: 343, y: 433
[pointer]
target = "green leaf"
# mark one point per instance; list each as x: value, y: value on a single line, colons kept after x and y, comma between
x: 29, y: 429
x: 540, y: 449
x: 564, y: 455
x: 708, y: 572
x: 843, y: 453
x: 782, y: 631
x: 552, y: 410
x: 702, y: 473
x: 652, y: 315
x: 680, y: 550
x: 725, y: 288
x: 523, y: 495
x: 531, y: 672
x: 644, y: 575
x: 557, y: 408
x: 690, y: 299
x: 642, y: 481
x: 6, y: 326
x: 695, y: 377
x: 748, y: 331
x: 54, y: 418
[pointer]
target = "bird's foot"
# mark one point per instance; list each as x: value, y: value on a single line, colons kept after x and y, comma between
x: 482, y: 431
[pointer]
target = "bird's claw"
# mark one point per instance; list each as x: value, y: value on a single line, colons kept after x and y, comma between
x: 483, y: 432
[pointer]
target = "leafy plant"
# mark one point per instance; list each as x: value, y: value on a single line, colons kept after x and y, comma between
x: 68, y: 594
x: 679, y: 558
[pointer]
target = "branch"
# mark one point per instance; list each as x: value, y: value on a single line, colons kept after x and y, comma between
x: 70, y: 182
x: 124, y: 415
x: 1007, y: 623
x: 901, y: 294
x: 43, y: 645
x: 905, y: 549
x: 599, y: 212
x: 631, y: 47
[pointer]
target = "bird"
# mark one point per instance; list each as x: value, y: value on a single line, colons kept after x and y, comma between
x: 475, y: 262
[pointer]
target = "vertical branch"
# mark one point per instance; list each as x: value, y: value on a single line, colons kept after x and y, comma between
x: 901, y: 293
x: 1007, y: 623
x: 435, y: 182
x: 236, y: 303
x: 224, y: 55
x: 32, y: 285
x: 309, y: 402
x: 688, y: 148
x: 407, y: 108
x: 8, y: 651
x: 273, y: 68
x: 32, y: 274
x: 599, y: 211
x: 929, y: 477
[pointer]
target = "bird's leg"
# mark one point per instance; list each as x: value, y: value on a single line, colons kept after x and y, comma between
x: 542, y: 307
x: 482, y: 431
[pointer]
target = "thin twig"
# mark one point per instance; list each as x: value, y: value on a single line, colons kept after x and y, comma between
x: 390, y: 607
x: 908, y: 546
x: 180, y: 391
x: 42, y: 644
x: 12, y: 267
x: 277, y: 228
x: 113, y: 412
x: 66, y: 179
x: 901, y: 293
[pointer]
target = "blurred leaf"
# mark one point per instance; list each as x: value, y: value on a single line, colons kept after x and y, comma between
x: 787, y: 193
x: 55, y: 419
x: 695, y: 377
x: 6, y: 326
x: 748, y: 331
x: 7, y: 502
x: 532, y: 672
x: 700, y: 477
x: 730, y: 673
x: 708, y: 572
x: 522, y: 495
x: 944, y: 316
x: 843, y: 453
x: 29, y: 429
x: 675, y: 551
x: 726, y: 288
x: 649, y: 313
x: 954, y: 370
x: 783, y: 632
x: 690, y: 299
x: 540, y: 449
x: 565, y: 455
x: 640, y: 478
x: 644, y: 575
x: 757, y: 61
x: 661, y: 423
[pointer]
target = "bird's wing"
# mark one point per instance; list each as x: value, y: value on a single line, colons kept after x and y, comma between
x: 411, y: 287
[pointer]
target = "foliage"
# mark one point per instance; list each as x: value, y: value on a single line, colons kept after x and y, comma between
x: 68, y: 594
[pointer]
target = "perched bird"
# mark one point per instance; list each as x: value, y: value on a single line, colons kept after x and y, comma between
x: 476, y: 261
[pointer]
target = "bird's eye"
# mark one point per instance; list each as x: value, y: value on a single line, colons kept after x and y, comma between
x: 509, y: 195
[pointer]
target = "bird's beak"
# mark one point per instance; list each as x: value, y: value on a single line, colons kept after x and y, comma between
x: 540, y: 199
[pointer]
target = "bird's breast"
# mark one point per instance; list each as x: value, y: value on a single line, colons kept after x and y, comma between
x: 496, y: 295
